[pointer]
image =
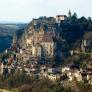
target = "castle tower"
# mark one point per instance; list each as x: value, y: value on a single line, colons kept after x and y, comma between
x: 69, y: 14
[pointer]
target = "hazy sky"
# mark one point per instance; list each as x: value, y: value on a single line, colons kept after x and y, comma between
x: 25, y: 10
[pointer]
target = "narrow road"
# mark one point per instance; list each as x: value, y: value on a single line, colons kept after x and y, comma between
x: 3, y: 90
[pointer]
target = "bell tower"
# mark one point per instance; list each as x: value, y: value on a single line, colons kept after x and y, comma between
x: 69, y: 14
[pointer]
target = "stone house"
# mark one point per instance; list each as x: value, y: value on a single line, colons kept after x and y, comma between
x: 60, y: 18
x: 74, y: 75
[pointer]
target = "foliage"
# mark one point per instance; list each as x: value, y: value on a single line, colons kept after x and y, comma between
x: 5, y: 55
x: 14, y: 80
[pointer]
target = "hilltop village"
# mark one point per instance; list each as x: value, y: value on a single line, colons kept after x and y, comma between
x: 52, y: 47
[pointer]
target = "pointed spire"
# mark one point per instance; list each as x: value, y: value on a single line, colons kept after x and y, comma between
x: 69, y: 14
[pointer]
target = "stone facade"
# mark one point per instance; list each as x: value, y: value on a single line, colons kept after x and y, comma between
x: 40, y: 43
x: 60, y: 18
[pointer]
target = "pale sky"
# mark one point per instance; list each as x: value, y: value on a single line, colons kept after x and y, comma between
x: 25, y: 10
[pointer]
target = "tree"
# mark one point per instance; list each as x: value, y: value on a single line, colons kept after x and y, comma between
x: 82, y: 20
x: 74, y: 18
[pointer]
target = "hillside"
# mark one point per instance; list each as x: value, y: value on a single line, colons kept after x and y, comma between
x: 6, y: 34
x: 70, y: 34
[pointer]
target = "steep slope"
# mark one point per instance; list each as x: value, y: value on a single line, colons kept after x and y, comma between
x: 6, y: 34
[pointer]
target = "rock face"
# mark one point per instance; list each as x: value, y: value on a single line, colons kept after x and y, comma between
x: 39, y: 40
x: 41, y: 43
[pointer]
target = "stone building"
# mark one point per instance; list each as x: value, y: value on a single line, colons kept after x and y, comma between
x: 40, y: 42
x: 63, y: 18
x: 60, y: 18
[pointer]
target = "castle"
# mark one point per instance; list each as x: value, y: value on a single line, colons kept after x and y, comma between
x: 40, y: 38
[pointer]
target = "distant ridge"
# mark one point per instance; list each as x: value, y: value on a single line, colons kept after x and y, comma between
x: 7, y: 30
x: 12, y: 22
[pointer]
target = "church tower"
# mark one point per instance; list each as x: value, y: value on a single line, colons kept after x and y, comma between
x: 69, y: 14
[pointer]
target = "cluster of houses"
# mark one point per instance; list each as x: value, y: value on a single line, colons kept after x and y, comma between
x: 9, y: 59
x: 50, y: 71
x: 83, y: 48
x: 41, y: 41
x: 78, y: 74
x: 41, y: 38
x: 7, y: 65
